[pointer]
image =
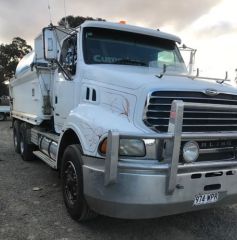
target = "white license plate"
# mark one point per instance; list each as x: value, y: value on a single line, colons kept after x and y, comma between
x: 206, y: 198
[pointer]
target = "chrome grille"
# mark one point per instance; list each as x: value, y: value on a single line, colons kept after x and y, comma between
x: 157, y: 111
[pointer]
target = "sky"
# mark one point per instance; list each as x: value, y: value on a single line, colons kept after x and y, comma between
x: 210, y: 26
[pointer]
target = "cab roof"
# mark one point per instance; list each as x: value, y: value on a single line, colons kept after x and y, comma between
x: 131, y: 28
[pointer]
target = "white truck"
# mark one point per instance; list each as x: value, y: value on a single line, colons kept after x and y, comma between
x: 132, y: 133
x: 4, y: 108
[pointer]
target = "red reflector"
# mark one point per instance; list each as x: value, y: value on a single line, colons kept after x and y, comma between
x: 173, y: 114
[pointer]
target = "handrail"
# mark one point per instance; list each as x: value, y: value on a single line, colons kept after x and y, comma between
x: 218, y: 80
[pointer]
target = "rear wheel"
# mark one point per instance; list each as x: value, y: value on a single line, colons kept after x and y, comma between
x: 16, y: 136
x: 72, y: 185
x: 26, y: 149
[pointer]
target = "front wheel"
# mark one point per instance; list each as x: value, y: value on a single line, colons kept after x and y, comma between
x: 72, y: 185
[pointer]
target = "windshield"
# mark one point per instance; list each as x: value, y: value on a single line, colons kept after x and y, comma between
x: 105, y: 46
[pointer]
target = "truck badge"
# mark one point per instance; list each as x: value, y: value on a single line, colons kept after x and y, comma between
x: 211, y: 92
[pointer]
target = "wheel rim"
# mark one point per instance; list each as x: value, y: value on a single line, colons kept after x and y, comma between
x: 22, y: 146
x: 15, y: 140
x: 1, y: 117
x: 71, y: 183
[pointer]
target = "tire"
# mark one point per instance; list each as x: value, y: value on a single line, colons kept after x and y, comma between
x: 72, y: 185
x: 16, y: 136
x: 26, y: 149
x: 2, y: 116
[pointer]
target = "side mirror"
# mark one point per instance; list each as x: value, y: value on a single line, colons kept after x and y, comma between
x: 50, y: 44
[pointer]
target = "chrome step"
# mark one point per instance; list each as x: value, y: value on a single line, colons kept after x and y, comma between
x: 46, y: 159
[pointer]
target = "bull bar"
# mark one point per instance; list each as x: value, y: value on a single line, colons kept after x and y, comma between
x: 174, y: 136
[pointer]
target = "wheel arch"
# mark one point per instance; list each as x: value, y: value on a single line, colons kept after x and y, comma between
x: 69, y: 137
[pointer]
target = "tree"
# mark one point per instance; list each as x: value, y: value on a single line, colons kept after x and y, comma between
x: 76, y: 21
x: 10, y: 55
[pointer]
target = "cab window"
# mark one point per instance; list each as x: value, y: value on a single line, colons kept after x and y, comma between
x: 68, y: 57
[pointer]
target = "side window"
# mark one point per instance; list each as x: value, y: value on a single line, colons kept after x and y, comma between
x: 166, y: 57
x: 68, y: 57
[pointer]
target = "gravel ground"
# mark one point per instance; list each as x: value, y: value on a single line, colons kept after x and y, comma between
x: 26, y: 214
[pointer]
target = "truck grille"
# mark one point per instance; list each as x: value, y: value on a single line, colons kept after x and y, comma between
x: 157, y: 111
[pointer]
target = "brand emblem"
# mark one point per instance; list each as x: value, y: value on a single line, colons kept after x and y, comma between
x: 211, y: 92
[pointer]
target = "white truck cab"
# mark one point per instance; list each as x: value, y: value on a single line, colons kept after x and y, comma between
x: 133, y: 134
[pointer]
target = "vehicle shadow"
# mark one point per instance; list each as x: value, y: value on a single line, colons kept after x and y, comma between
x: 218, y: 223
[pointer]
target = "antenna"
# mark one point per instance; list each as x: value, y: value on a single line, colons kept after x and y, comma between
x: 50, y: 15
x: 65, y: 14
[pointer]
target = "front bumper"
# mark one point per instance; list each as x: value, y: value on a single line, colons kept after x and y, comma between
x: 140, y: 195
x: 136, y: 189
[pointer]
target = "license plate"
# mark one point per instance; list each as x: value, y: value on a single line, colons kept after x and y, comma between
x: 207, y: 198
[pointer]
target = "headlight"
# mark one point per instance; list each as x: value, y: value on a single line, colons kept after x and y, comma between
x: 127, y: 147
x: 190, y: 151
x: 132, y: 147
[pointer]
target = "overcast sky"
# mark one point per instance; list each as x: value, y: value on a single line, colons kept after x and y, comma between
x: 208, y: 25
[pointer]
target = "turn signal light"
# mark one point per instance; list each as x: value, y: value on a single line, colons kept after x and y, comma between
x: 103, y: 146
x: 122, y: 22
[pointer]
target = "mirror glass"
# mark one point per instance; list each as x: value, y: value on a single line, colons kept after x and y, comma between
x: 50, y: 44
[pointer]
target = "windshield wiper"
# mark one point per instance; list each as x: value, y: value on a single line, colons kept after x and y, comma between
x: 163, y: 72
x: 128, y: 61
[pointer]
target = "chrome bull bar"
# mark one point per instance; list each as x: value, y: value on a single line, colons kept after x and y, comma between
x: 173, y: 142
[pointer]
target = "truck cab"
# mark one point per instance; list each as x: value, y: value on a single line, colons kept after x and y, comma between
x: 133, y: 134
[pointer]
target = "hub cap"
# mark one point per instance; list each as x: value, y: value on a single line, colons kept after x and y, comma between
x: 71, y: 184
x: 15, y: 139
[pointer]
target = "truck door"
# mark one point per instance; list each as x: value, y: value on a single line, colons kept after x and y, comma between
x: 64, y: 87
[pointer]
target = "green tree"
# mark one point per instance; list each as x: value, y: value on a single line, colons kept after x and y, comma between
x: 10, y: 55
x: 76, y: 21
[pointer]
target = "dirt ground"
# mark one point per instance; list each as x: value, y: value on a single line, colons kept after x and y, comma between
x: 26, y: 214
